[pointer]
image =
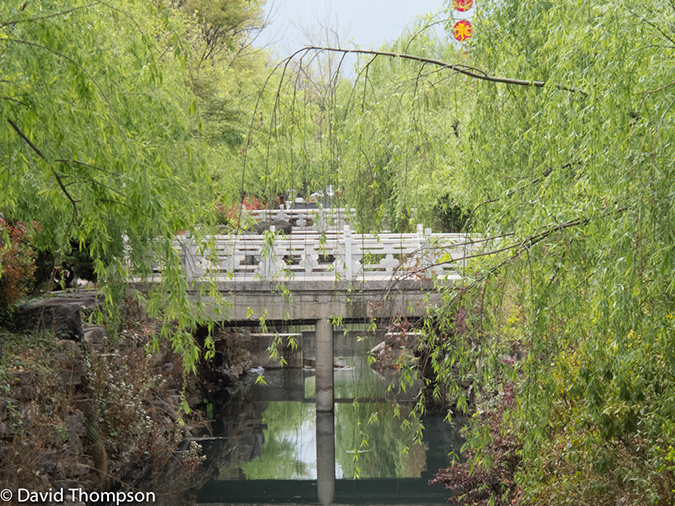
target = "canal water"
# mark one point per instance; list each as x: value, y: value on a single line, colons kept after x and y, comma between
x: 271, y: 446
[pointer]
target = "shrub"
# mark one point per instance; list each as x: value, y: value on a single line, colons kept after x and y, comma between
x: 488, y: 478
x: 230, y: 215
x: 17, y: 266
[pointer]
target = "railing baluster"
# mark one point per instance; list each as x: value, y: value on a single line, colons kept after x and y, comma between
x: 348, y: 254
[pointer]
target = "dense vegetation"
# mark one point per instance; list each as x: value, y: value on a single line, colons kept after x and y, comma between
x: 551, y: 130
x: 572, y: 321
x: 108, y: 132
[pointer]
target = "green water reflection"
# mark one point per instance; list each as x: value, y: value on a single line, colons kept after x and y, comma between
x: 373, y: 436
x: 370, y: 442
x: 289, y: 451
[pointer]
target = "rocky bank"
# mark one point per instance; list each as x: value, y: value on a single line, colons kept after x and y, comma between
x: 81, y: 409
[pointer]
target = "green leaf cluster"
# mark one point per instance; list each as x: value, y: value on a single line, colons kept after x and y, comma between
x: 578, y: 172
x: 101, y: 140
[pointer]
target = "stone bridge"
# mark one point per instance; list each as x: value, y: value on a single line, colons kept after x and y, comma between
x: 310, y: 274
x: 321, y: 272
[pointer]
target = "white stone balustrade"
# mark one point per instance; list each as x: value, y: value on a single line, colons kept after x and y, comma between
x: 330, y: 256
x: 306, y: 220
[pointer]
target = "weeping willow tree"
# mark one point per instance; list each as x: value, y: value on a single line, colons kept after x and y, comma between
x: 403, y: 131
x: 565, y: 321
x: 292, y: 143
x: 571, y: 317
x: 224, y: 70
x: 101, y: 143
x: 387, y: 134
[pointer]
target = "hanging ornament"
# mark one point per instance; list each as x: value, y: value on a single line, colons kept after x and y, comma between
x: 462, y: 5
x: 462, y: 30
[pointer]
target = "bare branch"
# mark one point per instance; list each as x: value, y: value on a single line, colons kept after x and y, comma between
x: 47, y: 16
x: 425, y: 27
x: 61, y: 160
x: 98, y: 183
x: 28, y: 141
x: 14, y: 100
x: 653, y: 25
x: 59, y: 180
x: 660, y: 89
x: 658, y: 129
x: 462, y: 69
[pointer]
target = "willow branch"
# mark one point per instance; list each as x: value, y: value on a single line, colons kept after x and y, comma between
x: 461, y: 69
x: 59, y: 180
x: 526, y: 243
x: 522, y: 246
x: 47, y: 16
x: 511, y: 191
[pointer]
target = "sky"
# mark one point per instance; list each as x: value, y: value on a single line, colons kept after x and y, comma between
x: 363, y: 22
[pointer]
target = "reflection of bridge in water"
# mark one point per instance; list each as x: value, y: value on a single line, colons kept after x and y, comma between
x: 387, y: 475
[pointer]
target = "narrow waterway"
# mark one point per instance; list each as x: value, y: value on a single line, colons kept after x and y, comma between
x: 277, y: 450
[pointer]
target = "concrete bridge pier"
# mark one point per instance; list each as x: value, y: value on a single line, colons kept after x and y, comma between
x: 325, y: 456
x: 324, y: 366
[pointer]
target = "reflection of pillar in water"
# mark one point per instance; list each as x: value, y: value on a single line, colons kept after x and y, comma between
x: 324, y: 365
x: 325, y: 456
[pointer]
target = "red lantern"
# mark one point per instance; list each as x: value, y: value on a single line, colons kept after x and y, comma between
x: 462, y: 5
x: 462, y: 30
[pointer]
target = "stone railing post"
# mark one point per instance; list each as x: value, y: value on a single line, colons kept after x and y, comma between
x: 270, y: 265
x: 269, y: 261
x: 190, y: 267
x: 420, y: 236
x: 420, y: 253
x: 348, y: 254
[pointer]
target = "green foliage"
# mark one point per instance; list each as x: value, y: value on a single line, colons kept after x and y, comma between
x: 578, y: 174
x: 224, y: 71
x: 403, y: 137
x: 374, y: 441
x: 553, y: 132
x: 97, y: 144
x: 284, y: 440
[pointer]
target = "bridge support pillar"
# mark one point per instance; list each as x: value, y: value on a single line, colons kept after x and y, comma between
x: 324, y: 365
x: 325, y: 456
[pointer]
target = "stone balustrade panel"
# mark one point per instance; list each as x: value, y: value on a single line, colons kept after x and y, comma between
x: 337, y: 255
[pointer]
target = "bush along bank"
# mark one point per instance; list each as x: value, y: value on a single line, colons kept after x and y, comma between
x: 92, y: 413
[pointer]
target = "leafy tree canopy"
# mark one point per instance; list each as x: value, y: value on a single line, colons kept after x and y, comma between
x: 576, y: 169
x: 100, y: 140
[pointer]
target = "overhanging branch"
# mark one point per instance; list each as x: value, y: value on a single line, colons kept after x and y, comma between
x: 455, y: 67
x: 56, y: 175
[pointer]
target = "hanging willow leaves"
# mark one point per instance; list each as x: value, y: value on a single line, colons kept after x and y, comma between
x: 565, y: 154
x: 97, y: 146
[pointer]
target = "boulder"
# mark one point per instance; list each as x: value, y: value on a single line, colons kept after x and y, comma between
x: 60, y: 316
x: 95, y: 337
